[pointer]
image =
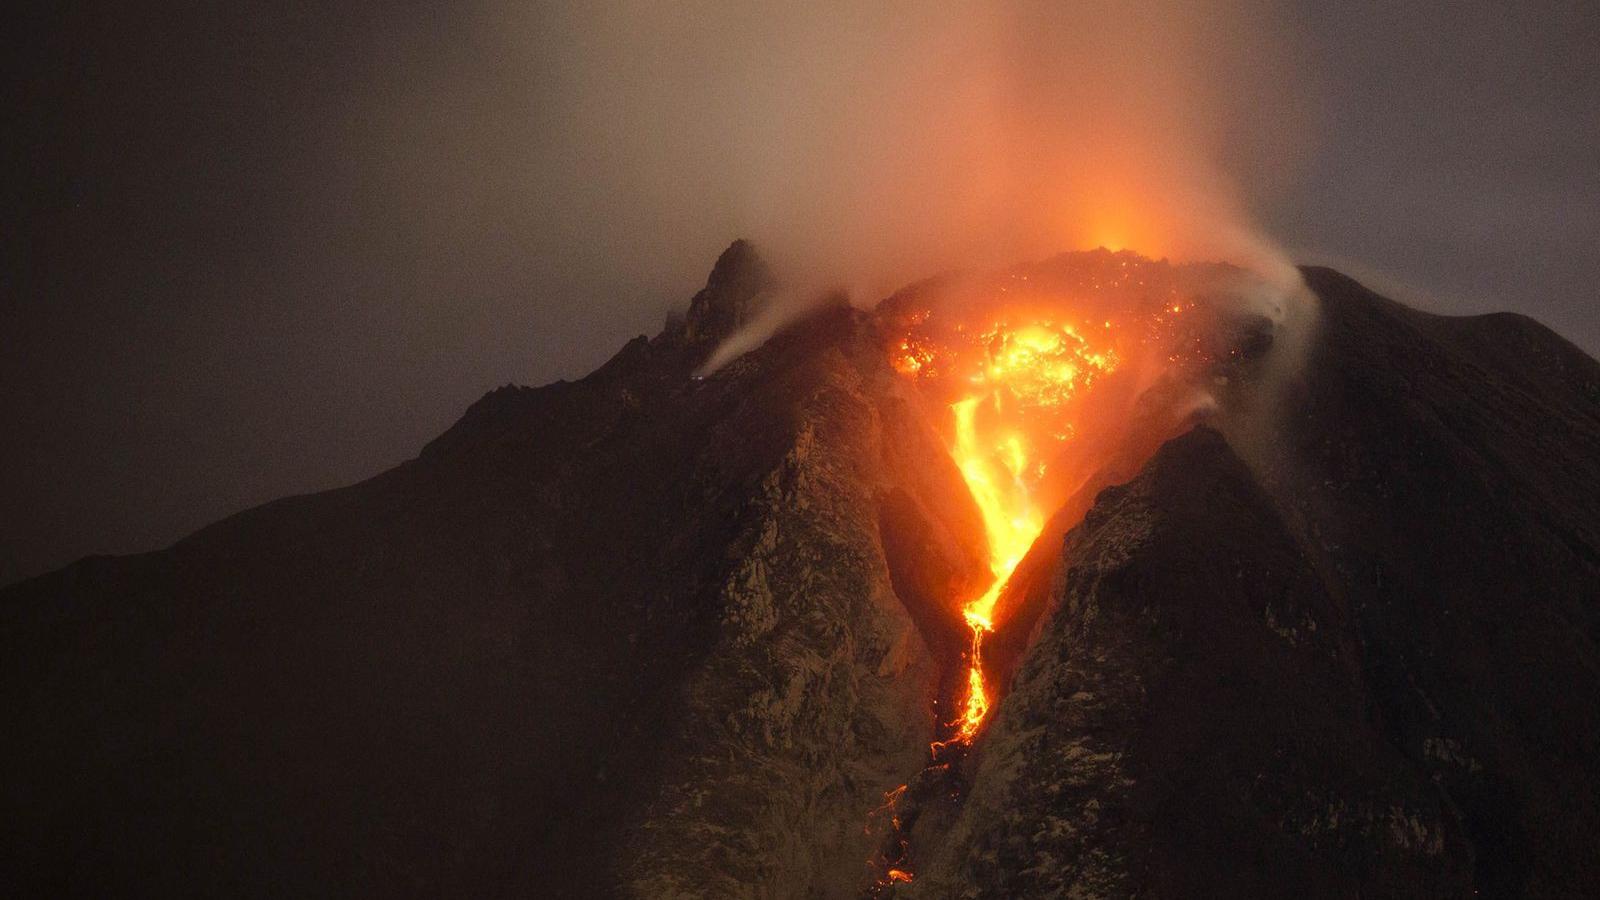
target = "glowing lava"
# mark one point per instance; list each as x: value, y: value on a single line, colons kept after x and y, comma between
x: 1017, y: 413
x: 1038, y: 373
x: 1014, y: 360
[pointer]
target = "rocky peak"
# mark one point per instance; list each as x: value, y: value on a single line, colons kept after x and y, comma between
x: 728, y: 298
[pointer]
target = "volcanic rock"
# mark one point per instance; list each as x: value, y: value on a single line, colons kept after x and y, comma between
x: 730, y: 294
x: 648, y: 634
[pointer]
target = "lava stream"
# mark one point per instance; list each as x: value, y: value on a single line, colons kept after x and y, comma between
x: 1014, y: 366
x: 1029, y: 375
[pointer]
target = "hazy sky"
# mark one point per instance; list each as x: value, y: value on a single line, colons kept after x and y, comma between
x: 253, y: 250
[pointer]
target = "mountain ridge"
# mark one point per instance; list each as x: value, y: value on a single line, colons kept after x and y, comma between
x: 640, y: 634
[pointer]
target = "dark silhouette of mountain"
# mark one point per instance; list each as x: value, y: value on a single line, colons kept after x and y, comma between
x: 647, y: 634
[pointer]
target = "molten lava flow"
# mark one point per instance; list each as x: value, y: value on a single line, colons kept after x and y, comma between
x: 1017, y: 361
x: 1014, y: 360
x: 1030, y: 370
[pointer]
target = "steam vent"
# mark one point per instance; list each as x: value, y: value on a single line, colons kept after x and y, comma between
x: 1096, y: 577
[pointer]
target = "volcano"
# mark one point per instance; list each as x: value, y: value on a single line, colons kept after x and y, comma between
x: 1301, y: 600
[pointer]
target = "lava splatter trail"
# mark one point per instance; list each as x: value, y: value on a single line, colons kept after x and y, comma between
x: 891, y: 867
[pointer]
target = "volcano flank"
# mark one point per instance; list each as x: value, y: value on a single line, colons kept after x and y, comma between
x: 1095, y: 577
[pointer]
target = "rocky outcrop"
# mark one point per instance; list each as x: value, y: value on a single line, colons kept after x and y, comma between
x: 730, y: 295
x: 813, y: 699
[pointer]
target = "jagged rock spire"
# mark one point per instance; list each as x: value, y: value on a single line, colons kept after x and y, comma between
x: 727, y: 300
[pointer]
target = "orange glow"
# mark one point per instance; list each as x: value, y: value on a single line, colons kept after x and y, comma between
x: 1015, y: 365
x: 1032, y: 368
x: 889, y: 809
x: 1118, y: 212
x: 893, y: 870
x: 1039, y: 378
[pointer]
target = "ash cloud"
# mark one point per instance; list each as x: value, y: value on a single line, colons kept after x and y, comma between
x: 865, y: 145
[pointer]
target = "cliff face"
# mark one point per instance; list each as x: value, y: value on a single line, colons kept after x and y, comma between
x: 650, y: 634
x: 1364, y: 663
x: 634, y: 634
x: 813, y: 696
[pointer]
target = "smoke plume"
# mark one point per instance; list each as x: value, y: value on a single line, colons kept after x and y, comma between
x: 864, y: 145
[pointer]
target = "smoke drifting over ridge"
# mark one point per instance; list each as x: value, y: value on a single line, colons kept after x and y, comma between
x: 864, y: 145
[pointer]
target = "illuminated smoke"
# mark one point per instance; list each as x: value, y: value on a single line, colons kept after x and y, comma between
x: 864, y: 145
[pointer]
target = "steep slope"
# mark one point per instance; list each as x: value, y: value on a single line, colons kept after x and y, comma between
x: 1364, y: 663
x: 633, y: 634
x: 1446, y: 475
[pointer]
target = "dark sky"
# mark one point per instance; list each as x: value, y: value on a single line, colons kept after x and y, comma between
x: 256, y: 250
